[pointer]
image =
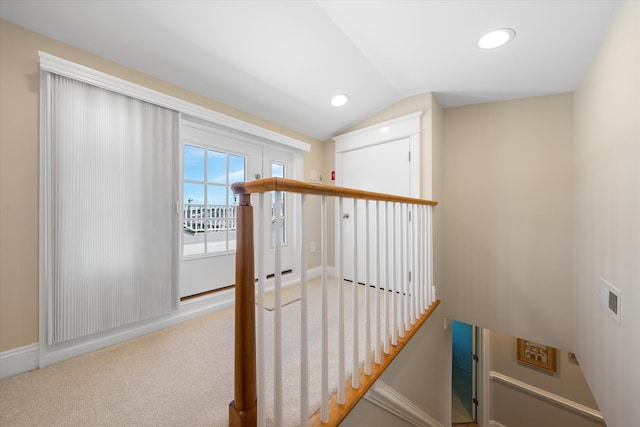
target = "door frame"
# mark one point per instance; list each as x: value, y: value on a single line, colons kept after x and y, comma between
x: 408, y: 126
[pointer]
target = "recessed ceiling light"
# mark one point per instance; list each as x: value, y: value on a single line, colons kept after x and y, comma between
x: 496, y: 38
x: 340, y: 100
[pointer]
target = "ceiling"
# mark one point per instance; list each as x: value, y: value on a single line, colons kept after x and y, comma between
x: 284, y: 60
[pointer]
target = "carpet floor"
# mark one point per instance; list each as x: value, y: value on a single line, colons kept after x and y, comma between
x: 179, y: 376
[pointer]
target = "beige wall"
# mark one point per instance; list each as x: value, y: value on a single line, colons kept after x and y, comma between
x: 19, y: 166
x: 508, y: 217
x: 514, y: 407
x: 607, y: 211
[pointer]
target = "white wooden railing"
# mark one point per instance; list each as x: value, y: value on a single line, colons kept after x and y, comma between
x: 200, y: 217
x: 390, y: 263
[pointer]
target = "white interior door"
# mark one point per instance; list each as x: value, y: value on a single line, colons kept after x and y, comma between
x: 211, y: 161
x: 382, y: 168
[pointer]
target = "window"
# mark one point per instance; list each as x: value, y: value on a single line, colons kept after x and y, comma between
x: 209, y: 205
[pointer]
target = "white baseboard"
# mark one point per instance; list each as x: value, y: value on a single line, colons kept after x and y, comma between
x: 390, y: 400
x: 18, y: 360
x: 547, y: 395
x: 494, y: 423
x: 314, y: 273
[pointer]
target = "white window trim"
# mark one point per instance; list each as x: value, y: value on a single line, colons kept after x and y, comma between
x: 84, y: 74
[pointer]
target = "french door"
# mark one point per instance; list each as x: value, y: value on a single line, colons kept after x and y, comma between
x: 212, y: 160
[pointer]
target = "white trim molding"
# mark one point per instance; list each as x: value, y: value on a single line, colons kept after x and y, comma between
x: 18, y: 360
x: 88, y: 75
x: 390, y: 130
x: 387, y: 398
x: 547, y: 395
x: 494, y: 423
x: 484, y: 386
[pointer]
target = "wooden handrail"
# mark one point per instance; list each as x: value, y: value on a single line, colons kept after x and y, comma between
x: 293, y: 186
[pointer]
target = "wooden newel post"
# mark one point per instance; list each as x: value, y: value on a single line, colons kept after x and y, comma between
x: 243, y: 410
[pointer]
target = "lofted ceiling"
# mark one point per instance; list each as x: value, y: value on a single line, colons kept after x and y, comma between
x: 284, y: 60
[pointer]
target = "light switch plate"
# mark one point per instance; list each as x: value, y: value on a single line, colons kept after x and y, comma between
x: 611, y: 300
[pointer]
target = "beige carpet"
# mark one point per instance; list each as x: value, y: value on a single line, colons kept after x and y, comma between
x: 180, y: 376
x: 289, y: 295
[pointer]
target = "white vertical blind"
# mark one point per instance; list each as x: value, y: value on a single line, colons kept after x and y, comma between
x: 111, y: 220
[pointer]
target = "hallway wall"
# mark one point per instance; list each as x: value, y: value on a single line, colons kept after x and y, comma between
x: 607, y: 211
x: 507, y: 212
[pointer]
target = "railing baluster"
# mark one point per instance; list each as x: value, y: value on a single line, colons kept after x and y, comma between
x: 403, y: 269
x: 324, y: 392
x: 367, y: 296
x: 340, y: 261
x: 262, y: 416
x: 304, y: 352
x: 277, y: 353
x: 419, y: 282
x: 431, y: 288
x: 425, y: 272
x: 394, y: 296
x: 414, y: 270
x: 378, y: 284
x: 355, y: 359
x: 387, y: 287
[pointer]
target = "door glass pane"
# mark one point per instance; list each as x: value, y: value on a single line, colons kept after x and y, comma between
x: 193, y: 163
x: 193, y: 215
x: 216, y: 167
x: 236, y: 169
x: 277, y: 170
x: 217, y: 224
